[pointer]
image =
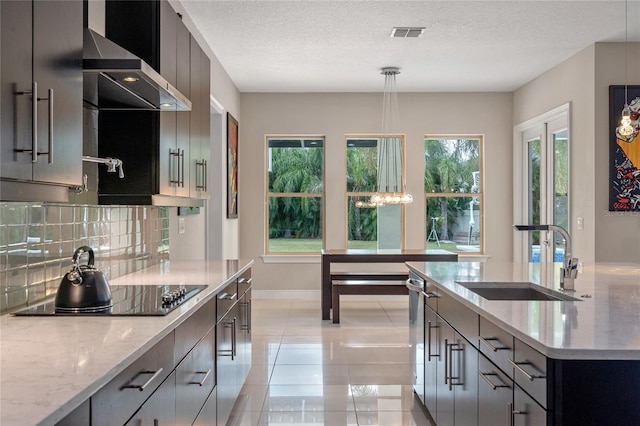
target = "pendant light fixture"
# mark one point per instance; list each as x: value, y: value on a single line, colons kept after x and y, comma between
x: 626, y: 129
x: 390, y: 185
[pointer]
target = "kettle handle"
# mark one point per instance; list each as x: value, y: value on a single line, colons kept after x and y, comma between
x: 79, y: 252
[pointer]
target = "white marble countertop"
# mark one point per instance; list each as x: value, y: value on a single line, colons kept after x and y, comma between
x: 603, y: 326
x: 50, y: 365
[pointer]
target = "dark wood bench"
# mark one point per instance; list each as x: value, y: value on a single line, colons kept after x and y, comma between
x: 365, y: 283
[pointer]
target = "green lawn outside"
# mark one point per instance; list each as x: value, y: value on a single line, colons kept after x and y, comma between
x: 289, y: 245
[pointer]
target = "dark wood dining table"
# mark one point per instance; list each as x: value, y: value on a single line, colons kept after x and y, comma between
x: 330, y: 256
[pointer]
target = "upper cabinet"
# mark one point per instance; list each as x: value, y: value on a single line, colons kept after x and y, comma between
x: 199, y: 144
x: 40, y: 99
x: 162, y: 151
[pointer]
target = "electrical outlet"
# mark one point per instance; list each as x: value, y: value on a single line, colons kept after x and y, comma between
x: 181, y: 225
x: 580, y: 223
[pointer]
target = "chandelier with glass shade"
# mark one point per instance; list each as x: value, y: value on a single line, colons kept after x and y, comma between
x: 390, y: 185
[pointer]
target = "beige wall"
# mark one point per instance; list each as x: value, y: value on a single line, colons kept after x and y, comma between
x: 583, y: 80
x: 336, y: 114
x: 211, y: 227
x: 617, y: 234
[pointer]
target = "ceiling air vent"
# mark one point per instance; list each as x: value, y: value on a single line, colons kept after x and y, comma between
x: 407, y: 32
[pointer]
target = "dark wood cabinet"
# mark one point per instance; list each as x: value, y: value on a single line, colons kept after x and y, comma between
x: 79, y: 416
x: 156, y: 146
x: 195, y: 379
x: 41, y: 92
x: 233, y: 343
x: 199, y: 142
x: 160, y: 408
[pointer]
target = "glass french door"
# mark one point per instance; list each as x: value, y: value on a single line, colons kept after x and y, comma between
x: 543, y: 149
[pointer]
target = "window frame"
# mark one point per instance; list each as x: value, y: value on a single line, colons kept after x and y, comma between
x: 367, y: 194
x: 479, y: 194
x: 268, y: 194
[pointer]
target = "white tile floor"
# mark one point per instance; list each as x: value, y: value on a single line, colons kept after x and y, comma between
x: 312, y: 372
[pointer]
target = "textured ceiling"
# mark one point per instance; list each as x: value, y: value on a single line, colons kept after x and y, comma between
x: 340, y: 46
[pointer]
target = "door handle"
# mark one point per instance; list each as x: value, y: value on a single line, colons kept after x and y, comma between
x: 487, y: 341
x: 429, y: 354
x: 493, y: 385
x: 49, y: 100
x: 143, y: 386
x: 182, y: 168
x: 204, y: 379
x: 518, y: 367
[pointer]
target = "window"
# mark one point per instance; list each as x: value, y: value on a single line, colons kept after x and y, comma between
x: 453, y: 193
x: 369, y: 227
x: 295, y: 194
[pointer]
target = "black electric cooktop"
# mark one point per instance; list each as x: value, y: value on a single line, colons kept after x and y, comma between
x: 130, y: 300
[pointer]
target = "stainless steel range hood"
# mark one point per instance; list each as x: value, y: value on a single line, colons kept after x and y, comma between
x: 115, y: 79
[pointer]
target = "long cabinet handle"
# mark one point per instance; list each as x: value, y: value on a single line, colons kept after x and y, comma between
x: 249, y: 316
x: 34, y: 120
x: 485, y: 376
x: 518, y: 367
x: 174, y: 172
x: 142, y: 387
x: 233, y: 340
x: 49, y: 152
x: 429, y: 328
x: 487, y: 341
x: 204, y: 379
x: 230, y: 352
x: 34, y: 124
x: 455, y: 347
x: 182, y: 167
x: 430, y: 295
x: 446, y: 362
x: 244, y: 324
x: 206, y: 175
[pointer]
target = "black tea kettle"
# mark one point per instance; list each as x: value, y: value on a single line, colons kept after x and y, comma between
x: 84, y: 288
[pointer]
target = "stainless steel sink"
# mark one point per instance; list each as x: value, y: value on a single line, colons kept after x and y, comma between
x: 495, y: 290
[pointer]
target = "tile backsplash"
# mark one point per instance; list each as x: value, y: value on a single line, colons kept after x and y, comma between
x: 37, y: 242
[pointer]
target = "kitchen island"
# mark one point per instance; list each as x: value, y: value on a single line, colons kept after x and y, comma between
x: 52, y: 365
x: 530, y: 361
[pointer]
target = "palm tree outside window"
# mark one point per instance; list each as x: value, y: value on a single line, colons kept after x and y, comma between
x: 295, y: 194
x: 453, y: 193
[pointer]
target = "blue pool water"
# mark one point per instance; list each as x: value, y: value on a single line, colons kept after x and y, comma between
x: 535, y: 254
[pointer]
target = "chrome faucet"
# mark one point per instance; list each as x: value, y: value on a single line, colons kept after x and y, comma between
x: 569, y: 270
x: 113, y: 164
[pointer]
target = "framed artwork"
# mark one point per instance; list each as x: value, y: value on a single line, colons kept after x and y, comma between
x: 624, y: 150
x: 232, y: 167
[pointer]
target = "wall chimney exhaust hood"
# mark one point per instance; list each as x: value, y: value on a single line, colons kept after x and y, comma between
x: 115, y: 79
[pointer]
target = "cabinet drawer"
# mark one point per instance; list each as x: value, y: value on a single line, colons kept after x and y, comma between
x: 463, y: 319
x: 526, y: 412
x: 193, y: 329
x: 530, y: 371
x: 495, y: 395
x: 207, y: 415
x: 497, y: 345
x: 227, y: 297
x: 244, y: 282
x: 159, y: 409
x: 79, y: 416
x: 195, y: 379
x: 119, y: 399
